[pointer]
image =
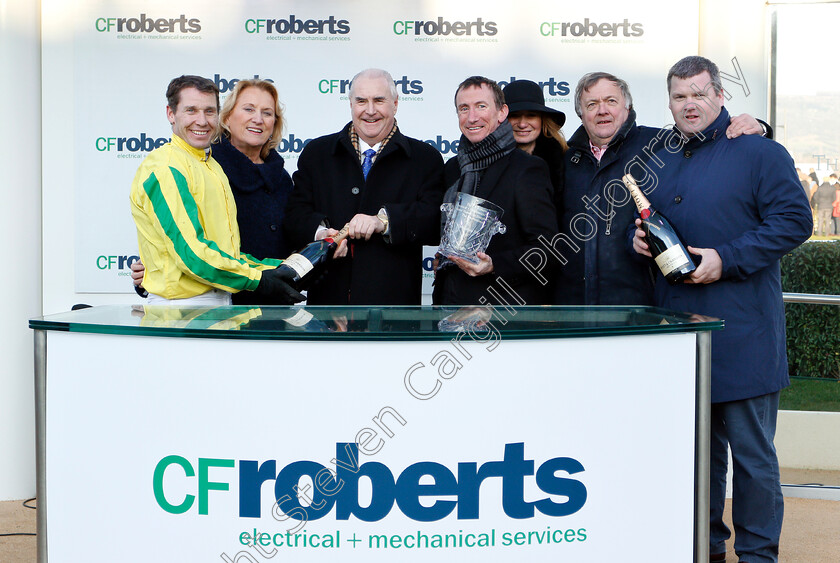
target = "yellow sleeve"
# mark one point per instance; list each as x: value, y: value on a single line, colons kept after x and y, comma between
x: 174, y: 215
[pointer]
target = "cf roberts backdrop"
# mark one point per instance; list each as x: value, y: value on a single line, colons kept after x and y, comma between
x: 106, y: 66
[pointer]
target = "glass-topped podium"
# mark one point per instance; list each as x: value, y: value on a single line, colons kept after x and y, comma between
x: 373, y: 323
x: 372, y: 433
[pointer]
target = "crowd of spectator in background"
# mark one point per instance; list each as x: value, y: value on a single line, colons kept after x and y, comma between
x: 825, y: 201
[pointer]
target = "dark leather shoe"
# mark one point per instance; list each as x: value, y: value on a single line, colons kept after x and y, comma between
x: 717, y: 557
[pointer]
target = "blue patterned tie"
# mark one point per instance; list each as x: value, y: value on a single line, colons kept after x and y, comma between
x: 368, y: 162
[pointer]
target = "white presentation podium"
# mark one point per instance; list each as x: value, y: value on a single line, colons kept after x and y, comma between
x: 246, y: 434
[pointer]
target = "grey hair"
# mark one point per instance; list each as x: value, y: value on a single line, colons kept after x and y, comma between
x: 375, y: 73
x: 589, y: 80
x: 692, y: 66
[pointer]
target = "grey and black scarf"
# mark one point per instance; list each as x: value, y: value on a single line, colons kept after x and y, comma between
x: 476, y: 158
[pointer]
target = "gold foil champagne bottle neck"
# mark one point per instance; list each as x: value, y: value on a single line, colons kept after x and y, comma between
x: 642, y: 203
x: 341, y: 235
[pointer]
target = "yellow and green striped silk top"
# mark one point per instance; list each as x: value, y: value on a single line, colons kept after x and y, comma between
x: 186, y: 225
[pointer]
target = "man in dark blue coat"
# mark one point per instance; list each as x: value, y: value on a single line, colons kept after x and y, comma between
x: 386, y: 186
x: 739, y: 207
x: 595, y: 212
x: 596, y: 208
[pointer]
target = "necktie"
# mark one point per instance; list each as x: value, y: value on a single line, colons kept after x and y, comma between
x: 368, y: 162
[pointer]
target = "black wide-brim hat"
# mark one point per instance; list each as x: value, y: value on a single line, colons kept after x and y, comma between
x: 525, y: 95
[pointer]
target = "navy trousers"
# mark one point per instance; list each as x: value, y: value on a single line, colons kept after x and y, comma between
x: 747, y: 427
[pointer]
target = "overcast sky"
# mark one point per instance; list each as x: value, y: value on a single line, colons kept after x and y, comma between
x: 808, y: 47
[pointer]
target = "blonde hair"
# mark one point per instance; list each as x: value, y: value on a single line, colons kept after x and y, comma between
x: 279, y: 122
x: 551, y: 129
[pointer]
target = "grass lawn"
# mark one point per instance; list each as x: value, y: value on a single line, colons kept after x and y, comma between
x: 808, y: 394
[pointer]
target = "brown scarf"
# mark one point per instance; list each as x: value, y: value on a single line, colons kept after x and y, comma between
x: 354, y: 139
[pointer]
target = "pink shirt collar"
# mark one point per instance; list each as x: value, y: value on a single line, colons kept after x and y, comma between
x: 598, y: 151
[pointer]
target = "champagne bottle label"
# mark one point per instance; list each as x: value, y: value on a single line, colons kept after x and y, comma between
x: 661, y: 237
x: 672, y: 259
x: 299, y: 264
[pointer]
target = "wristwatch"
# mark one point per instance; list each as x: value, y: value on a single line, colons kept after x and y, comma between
x: 383, y: 216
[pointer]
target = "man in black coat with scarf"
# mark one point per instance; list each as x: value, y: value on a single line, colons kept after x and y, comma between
x: 386, y: 186
x: 489, y: 166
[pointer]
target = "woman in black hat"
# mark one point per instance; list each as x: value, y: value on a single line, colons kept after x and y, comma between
x: 536, y: 127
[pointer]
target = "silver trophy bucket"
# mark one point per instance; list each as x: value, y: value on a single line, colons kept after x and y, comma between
x: 470, y: 223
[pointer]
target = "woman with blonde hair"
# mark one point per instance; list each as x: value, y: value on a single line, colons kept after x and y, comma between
x: 537, y: 127
x: 252, y: 127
